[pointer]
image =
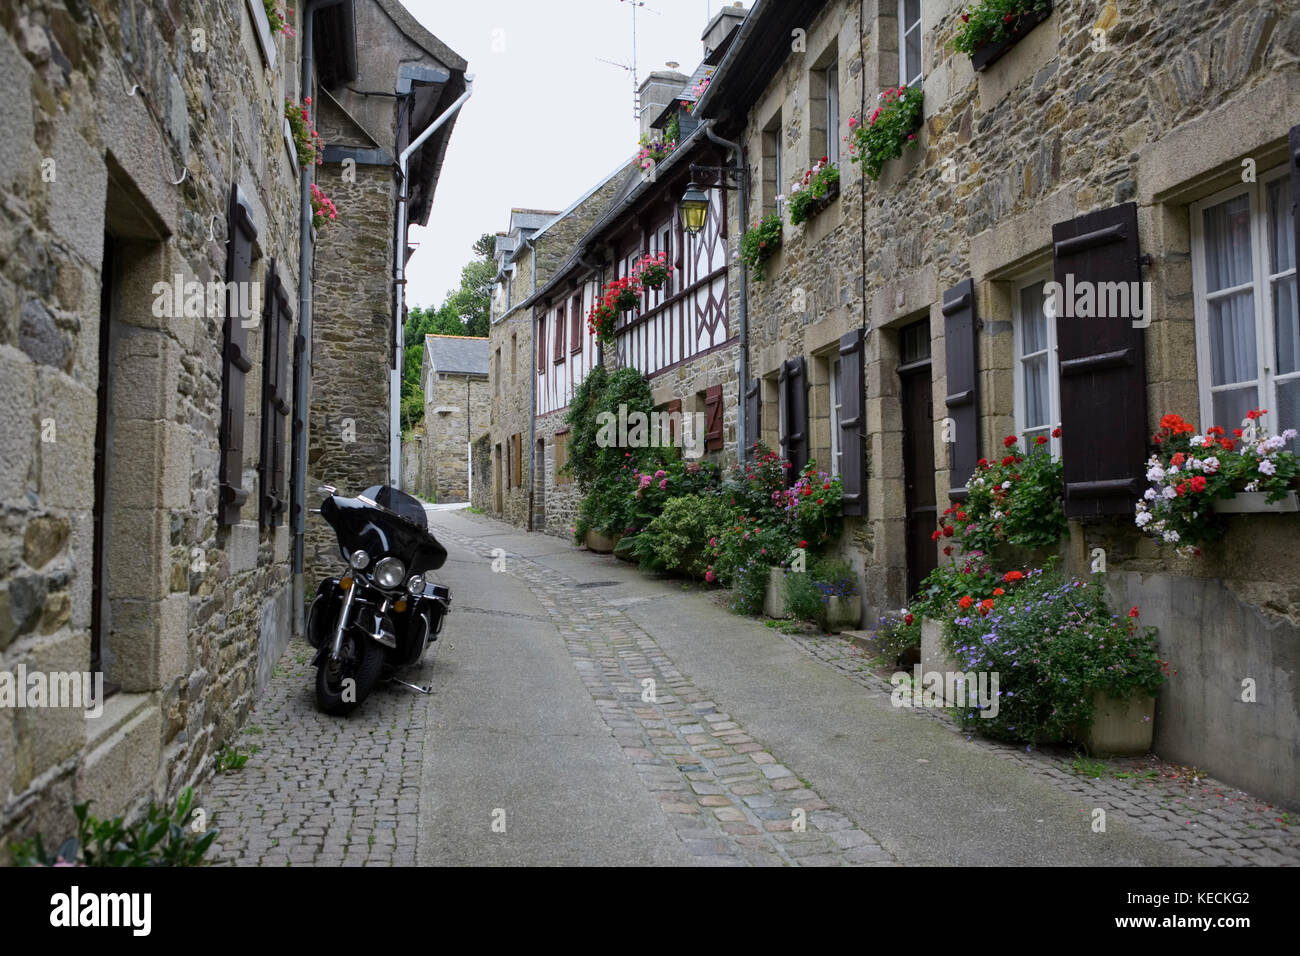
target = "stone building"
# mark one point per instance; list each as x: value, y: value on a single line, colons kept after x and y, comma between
x: 1111, y: 144
x: 355, y: 429
x: 457, y: 404
x: 152, y: 302
x: 683, y: 337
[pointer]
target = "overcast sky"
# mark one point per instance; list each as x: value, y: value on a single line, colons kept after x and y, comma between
x: 547, y: 120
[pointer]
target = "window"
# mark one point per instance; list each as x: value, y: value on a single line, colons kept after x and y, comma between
x: 496, y: 377
x: 835, y: 405
x: 514, y: 353
x: 1037, y: 385
x: 517, y: 464
x: 559, y: 334
x: 833, y: 113
x: 575, y: 323
x: 824, y: 108
x: 1247, y: 330
x: 909, y: 42
x: 541, y: 345
x: 773, y: 180
x: 562, y: 457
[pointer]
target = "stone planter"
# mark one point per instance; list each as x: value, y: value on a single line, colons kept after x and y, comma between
x: 601, y: 544
x: 1255, y: 502
x: 989, y: 53
x: 1121, y: 727
x: 934, y: 656
x: 774, y: 600
x: 843, y: 613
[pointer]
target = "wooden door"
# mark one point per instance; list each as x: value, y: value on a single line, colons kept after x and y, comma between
x: 918, y: 462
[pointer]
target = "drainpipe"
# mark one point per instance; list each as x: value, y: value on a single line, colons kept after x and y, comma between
x: 532, y: 395
x: 399, y: 283
x: 743, y: 317
x: 302, y: 395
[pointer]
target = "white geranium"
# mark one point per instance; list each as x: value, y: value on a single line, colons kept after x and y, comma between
x: 1006, y: 485
x: 1169, y: 492
x: 1289, y: 434
x: 1211, y: 465
x: 1155, y: 473
x: 1143, y: 519
x: 1171, y: 536
x: 1150, y: 494
x: 1266, y: 467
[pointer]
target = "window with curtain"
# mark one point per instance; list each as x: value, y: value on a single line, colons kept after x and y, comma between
x: 835, y: 405
x: 909, y: 42
x: 832, y: 113
x: 1037, y: 395
x: 1247, y: 329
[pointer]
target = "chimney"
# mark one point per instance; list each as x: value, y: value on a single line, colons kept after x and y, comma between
x: 719, y: 30
x: 658, y: 90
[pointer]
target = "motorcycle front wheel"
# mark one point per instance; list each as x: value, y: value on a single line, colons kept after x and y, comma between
x: 361, y: 663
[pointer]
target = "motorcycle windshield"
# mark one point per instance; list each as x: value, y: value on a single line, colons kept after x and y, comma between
x: 363, y: 523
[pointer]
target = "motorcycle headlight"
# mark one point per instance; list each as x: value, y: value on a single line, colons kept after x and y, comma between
x: 415, y: 584
x: 359, y: 559
x: 389, y: 573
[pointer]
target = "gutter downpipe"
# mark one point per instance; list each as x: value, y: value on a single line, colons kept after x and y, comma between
x: 743, y: 317
x: 399, y: 283
x: 302, y: 395
x: 532, y: 393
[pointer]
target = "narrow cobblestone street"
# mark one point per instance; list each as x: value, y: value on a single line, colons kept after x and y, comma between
x: 544, y: 742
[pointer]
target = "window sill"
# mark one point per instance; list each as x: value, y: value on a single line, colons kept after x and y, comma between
x: 262, y: 30
x: 1253, y: 502
x: 989, y: 53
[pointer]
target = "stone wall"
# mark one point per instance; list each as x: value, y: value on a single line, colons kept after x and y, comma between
x: 1157, y: 104
x: 352, y: 342
x: 445, y: 449
x: 511, y: 403
x: 105, y: 109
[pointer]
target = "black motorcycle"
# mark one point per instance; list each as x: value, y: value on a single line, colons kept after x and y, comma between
x: 381, y: 614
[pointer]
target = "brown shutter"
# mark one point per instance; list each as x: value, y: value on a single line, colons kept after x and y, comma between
x: 674, y: 410
x: 753, y: 415
x: 241, y: 233
x: 1103, y: 367
x: 275, y: 398
x: 852, y: 422
x: 713, y: 438
x: 961, y: 362
x: 794, y: 443
x: 519, y: 461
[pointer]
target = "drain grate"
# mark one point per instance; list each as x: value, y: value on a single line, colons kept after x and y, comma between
x: 596, y: 584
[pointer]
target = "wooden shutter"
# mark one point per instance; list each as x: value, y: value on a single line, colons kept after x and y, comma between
x: 559, y: 333
x: 794, y: 390
x: 276, y: 319
x: 519, y: 462
x: 852, y: 422
x: 961, y: 363
x: 241, y: 233
x: 575, y: 324
x: 674, y: 410
x: 1103, y: 367
x: 713, y: 435
x: 541, y: 344
x: 753, y: 415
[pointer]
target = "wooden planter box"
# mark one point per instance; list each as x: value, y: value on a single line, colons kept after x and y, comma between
x: 1121, y: 727
x: 1254, y: 502
x: 601, y: 544
x: 989, y: 53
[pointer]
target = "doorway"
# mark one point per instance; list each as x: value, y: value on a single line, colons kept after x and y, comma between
x: 917, y: 398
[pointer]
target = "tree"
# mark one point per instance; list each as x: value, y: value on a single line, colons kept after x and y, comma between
x: 464, y: 311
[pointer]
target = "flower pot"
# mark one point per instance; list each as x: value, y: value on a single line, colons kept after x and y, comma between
x: 987, y: 54
x: 1255, y: 502
x: 601, y: 544
x: 820, y: 203
x: 843, y: 613
x: 774, y: 601
x: 934, y: 655
x: 627, y: 301
x: 1121, y: 727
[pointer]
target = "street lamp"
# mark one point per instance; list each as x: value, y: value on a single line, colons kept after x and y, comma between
x: 694, y: 208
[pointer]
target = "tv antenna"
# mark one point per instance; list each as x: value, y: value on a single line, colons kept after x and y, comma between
x: 631, y: 68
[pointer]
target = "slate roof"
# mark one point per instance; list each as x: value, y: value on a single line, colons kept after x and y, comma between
x: 457, y: 354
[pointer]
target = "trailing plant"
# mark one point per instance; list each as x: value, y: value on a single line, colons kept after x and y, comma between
x: 323, y: 210
x: 623, y: 293
x: 163, y: 837
x: 893, y: 637
x: 311, y: 150
x: 992, y: 21
x: 591, y: 453
x: 892, y: 126
x: 278, y: 17
x: 1053, y: 642
x: 654, y: 151
x: 812, y: 506
x: 1193, y: 470
x: 815, y: 185
x: 939, y: 595
x: 652, y: 271
x: 760, y: 241
x: 673, y: 129
x: 601, y: 321
x: 1017, y: 499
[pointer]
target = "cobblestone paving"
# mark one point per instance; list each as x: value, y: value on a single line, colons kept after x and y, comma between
x: 1178, y: 804
x: 732, y: 802
x: 321, y: 790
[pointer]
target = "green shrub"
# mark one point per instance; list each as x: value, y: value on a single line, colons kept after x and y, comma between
x: 760, y: 241
x: 1054, y: 642
x: 892, y: 638
x: 678, y: 539
x: 808, y: 593
x: 162, y: 838
x: 749, y: 588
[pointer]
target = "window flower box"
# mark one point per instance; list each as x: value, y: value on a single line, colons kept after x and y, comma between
x: 892, y: 126
x: 1256, y: 502
x: 813, y: 192
x: 759, y: 242
x: 992, y: 27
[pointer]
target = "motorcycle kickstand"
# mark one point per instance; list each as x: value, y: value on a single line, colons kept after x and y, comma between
x: 416, y: 687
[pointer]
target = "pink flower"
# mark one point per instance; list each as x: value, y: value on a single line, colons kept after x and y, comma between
x: 663, y: 483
